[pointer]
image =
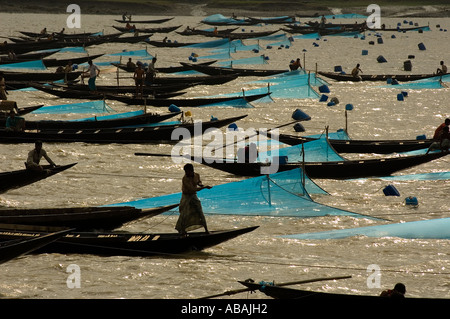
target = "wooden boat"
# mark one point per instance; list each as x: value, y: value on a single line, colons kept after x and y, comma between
x: 83, y: 91
x: 217, y: 70
x: 362, y: 146
x: 122, y: 243
x: 156, y: 21
x: 140, y: 135
x: 14, y: 248
x: 280, y: 292
x: 379, y: 77
x: 135, y: 120
x: 347, y: 169
x: 20, y: 178
x: 228, y: 35
x: 272, y: 20
x: 80, y: 218
x: 170, y: 69
x: 188, y: 32
x: 169, y: 44
x: 64, y: 62
x: 40, y: 76
x: 132, y: 39
x: 7, y: 106
x: 187, y: 102
x: 148, y: 30
x: 29, y: 46
x: 58, y: 34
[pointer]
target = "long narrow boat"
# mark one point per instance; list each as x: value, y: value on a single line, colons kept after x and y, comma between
x: 217, y: 70
x: 170, y: 69
x: 375, y: 78
x: 40, y: 76
x: 229, y: 35
x: 187, y: 102
x: 188, y: 32
x: 347, y: 169
x: 280, y: 292
x: 132, y: 39
x: 14, y: 248
x: 169, y: 44
x: 139, y: 135
x: 148, y: 30
x: 156, y: 21
x: 122, y: 243
x: 20, y: 178
x: 362, y: 146
x: 64, y: 62
x: 80, y: 91
x: 99, y: 122
x: 80, y: 218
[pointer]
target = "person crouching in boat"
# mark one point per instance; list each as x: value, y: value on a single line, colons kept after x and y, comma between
x: 295, y: 65
x: 442, y: 143
x: 355, y: 72
x: 14, y: 123
x: 191, y: 211
x: 442, y: 70
x: 399, y: 291
x: 35, y: 156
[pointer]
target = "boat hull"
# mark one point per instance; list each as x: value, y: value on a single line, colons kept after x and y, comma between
x: 123, y: 243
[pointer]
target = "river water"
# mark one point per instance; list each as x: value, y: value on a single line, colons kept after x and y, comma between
x: 111, y: 173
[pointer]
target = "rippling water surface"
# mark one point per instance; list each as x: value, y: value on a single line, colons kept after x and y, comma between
x: 111, y: 174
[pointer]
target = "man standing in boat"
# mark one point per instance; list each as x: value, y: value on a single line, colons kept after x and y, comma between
x: 191, y: 212
x: 35, y: 156
x: 139, y: 79
x: 93, y: 72
x: 151, y: 72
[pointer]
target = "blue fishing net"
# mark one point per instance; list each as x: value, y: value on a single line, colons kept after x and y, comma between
x: 280, y: 194
x: 314, y: 151
x: 209, y: 44
x: 142, y: 52
x: 434, y: 228
x: 84, y: 107
x: 251, y: 60
x: 219, y: 18
x: 110, y: 117
x: 30, y: 65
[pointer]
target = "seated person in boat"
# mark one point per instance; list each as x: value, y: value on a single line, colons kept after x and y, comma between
x: 399, y: 291
x: 2, y: 87
x: 295, y: 65
x: 14, y: 123
x: 69, y: 67
x: 443, y: 143
x: 130, y: 64
x: 191, y: 211
x: 440, y: 128
x: 35, y: 156
x: 356, y: 70
x: 442, y: 69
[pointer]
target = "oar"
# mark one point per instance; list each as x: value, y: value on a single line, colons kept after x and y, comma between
x: 237, y: 291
